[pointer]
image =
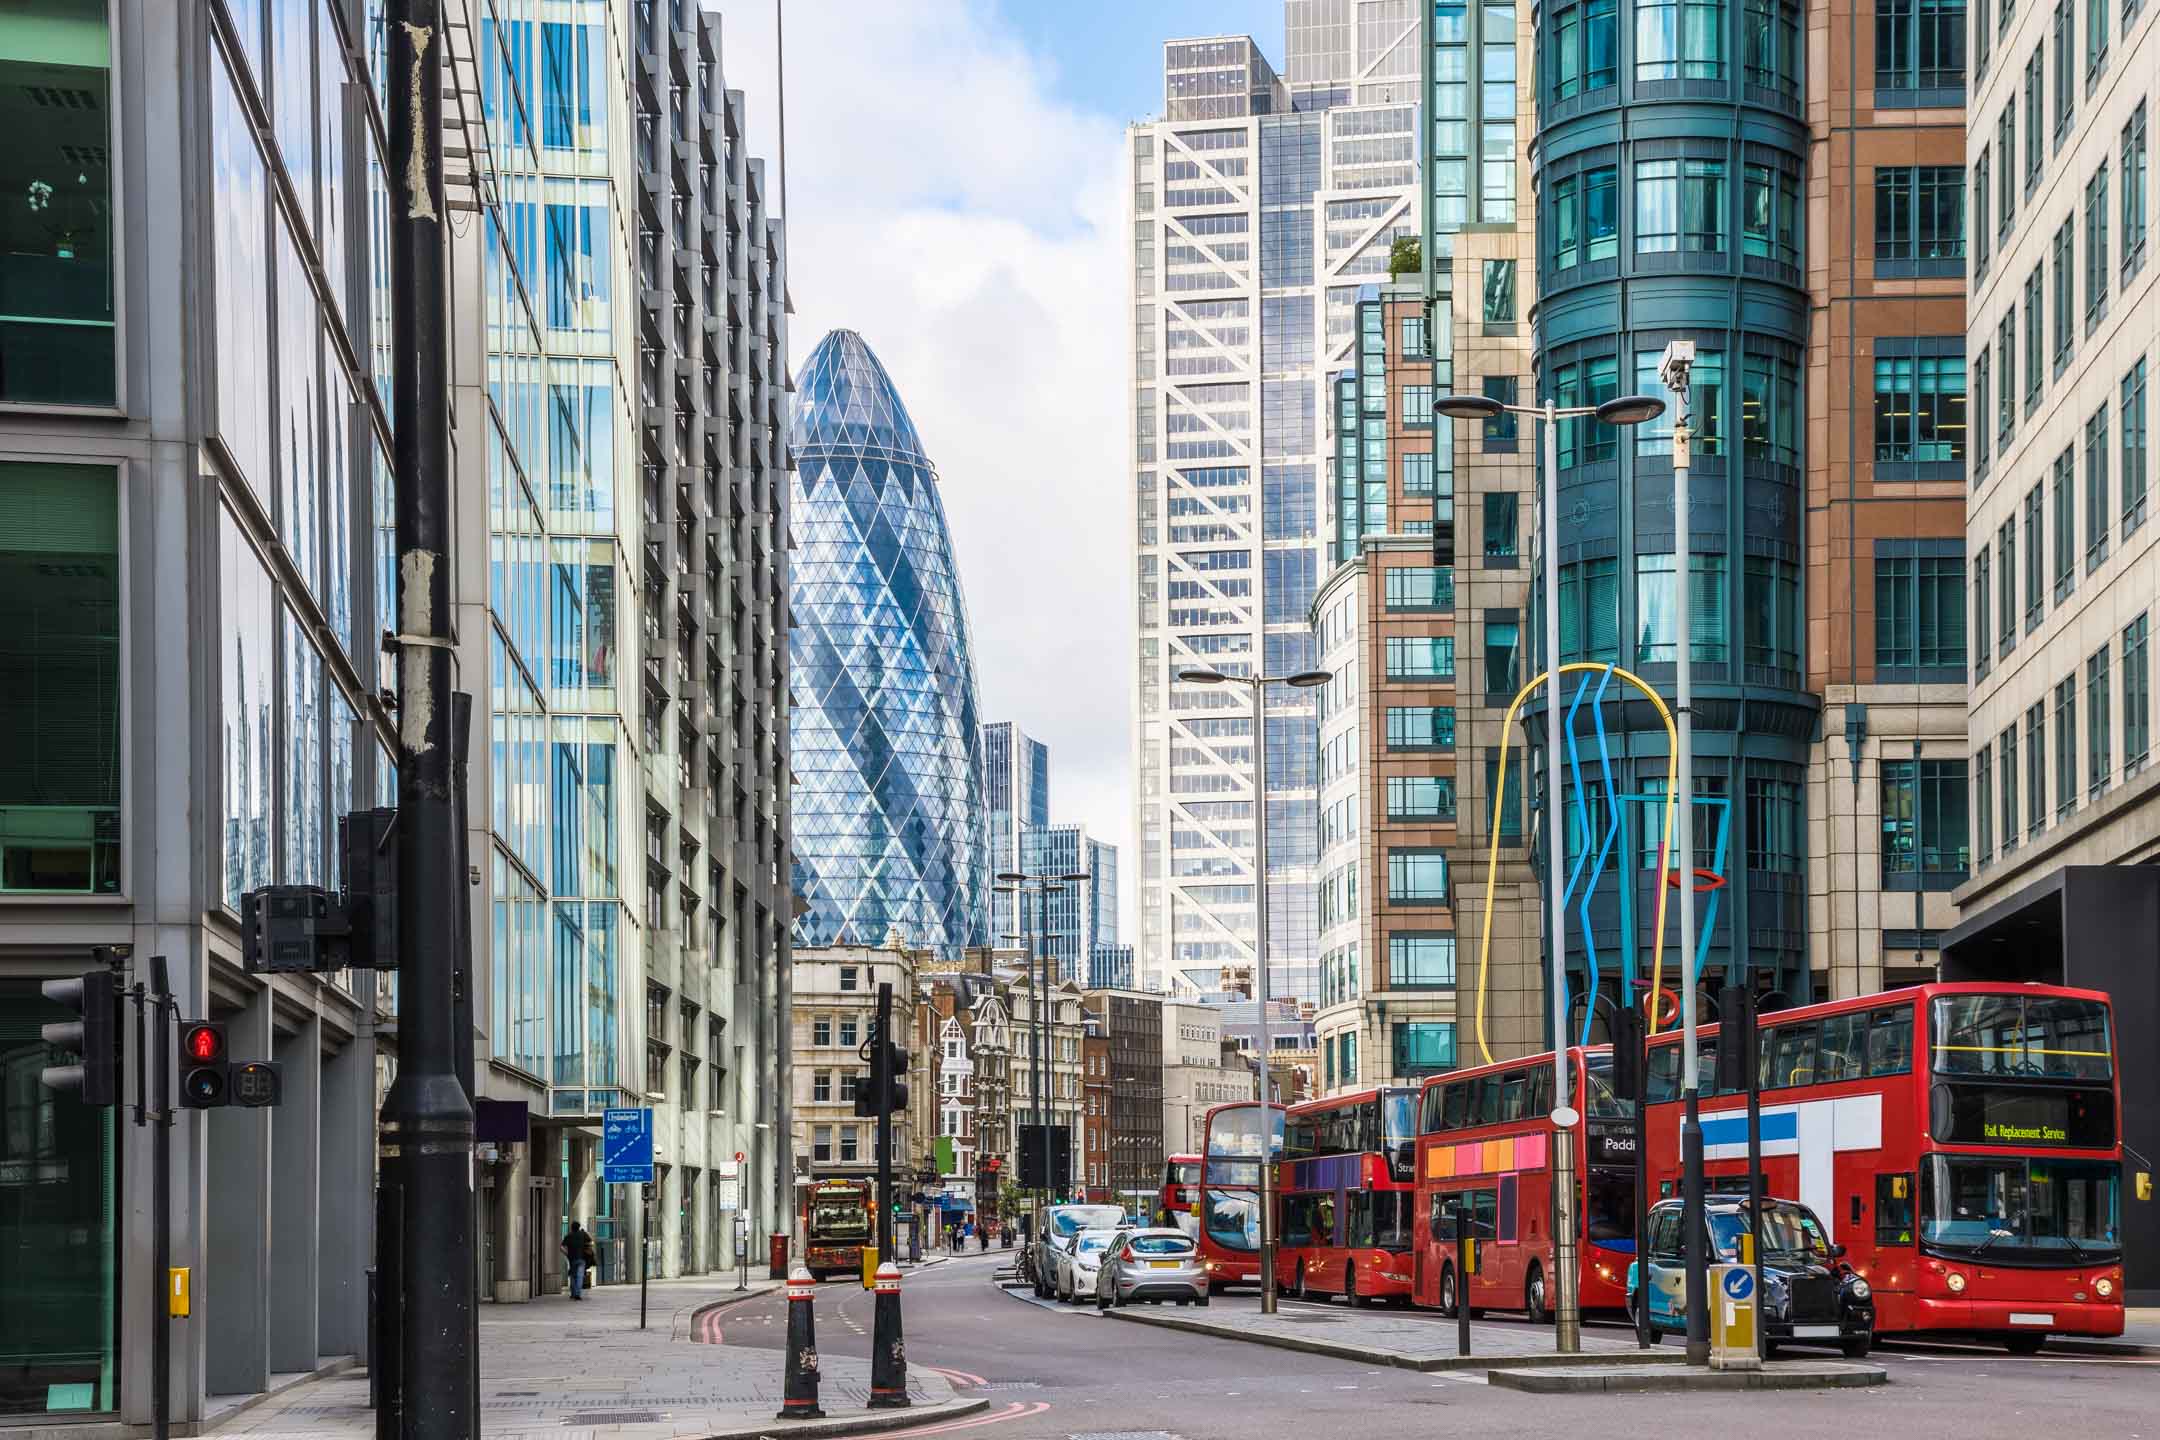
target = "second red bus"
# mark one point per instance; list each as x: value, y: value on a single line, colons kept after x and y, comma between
x: 1348, y: 1197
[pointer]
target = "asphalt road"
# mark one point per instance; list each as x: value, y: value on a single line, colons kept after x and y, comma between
x: 1065, y: 1372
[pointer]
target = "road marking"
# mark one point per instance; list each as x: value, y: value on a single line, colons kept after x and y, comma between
x: 1018, y: 1410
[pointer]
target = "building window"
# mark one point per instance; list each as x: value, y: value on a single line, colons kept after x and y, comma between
x: 1770, y: 33
x: 821, y: 1149
x: 1977, y: 406
x: 1420, y: 657
x: 1583, y: 440
x: 2065, y: 73
x: 2133, y: 448
x: 2008, y: 768
x: 850, y: 1144
x: 1982, y: 650
x: 2096, y: 38
x: 2036, y: 768
x: 1413, y: 336
x: 1679, y: 205
x: 849, y: 1080
x: 1590, y: 611
x: 1420, y: 797
x: 1509, y: 805
x: 2006, y: 581
x: 1498, y: 305
x: 1502, y: 641
x: 2065, y: 518
x: 1421, y: 961
x: 56, y: 231
x: 1500, y: 535
x: 1417, y: 473
x: 1770, y: 214
x: 2035, y: 331
x: 848, y: 1032
x: 1770, y: 410
x: 2099, y: 715
x: 2098, y: 517
x: 1919, y: 617
x: 1919, y: 409
x: 1920, y: 220
x: 1776, y: 836
x: 1679, y: 39
x: 1654, y: 608
x: 1983, y: 807
x: 1919, y: 45
x: 2137, y: 696
x: 1421, y: 727
x: 1982, y: 174
x: 1417, y: 404
x: 1923, y: 824
x: 2064, y: 262
x: 821, y: 1030
x: 1423, y: 1047
x: 850, y: 978
x: 1413, y: 589
x: 60, y: 829
x: 2006, y: 382
x: 2035, y: 558
x: 2006, y: 147
x: 1773, y: 615
x: 2133, y: 193
x: 1502, y: 431
x: 1706, y: 404
x: 2066, y: 743
x: 2096, y: 247
x: 1417, y: 876
x: 821, y: 1086
x: 1584, y: 49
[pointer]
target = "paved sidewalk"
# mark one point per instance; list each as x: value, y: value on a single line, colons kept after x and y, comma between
x: 558, y: 1369
x: 1407, y: 1342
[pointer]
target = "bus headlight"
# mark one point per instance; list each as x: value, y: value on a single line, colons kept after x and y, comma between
x: 1957, y: 1283
x: 2103, y: 1287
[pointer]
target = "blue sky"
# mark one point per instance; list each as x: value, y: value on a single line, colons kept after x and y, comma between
x: 1107, y: 57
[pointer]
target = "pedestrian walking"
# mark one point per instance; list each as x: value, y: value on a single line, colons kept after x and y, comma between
x: 583, y: 1255
x: 982, y: 1238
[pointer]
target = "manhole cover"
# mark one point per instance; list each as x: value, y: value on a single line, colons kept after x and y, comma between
x: 615, y: 1417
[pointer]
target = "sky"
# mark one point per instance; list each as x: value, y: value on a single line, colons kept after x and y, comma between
x: 955, y: 185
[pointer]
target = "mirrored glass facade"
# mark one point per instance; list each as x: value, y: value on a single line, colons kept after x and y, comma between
x: 889, y: 820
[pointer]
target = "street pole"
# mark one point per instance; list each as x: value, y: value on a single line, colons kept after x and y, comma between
x: 1260, y: 994
x: 881, y: 1083
x: 1691, y: 1143
x: 159, y: 1005
x: 1567, y: 1330
x: 427, y: 1122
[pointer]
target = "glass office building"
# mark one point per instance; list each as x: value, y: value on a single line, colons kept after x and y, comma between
x: 887, y: 743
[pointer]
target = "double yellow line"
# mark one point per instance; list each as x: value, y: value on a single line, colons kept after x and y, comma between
x: 1556, y: 862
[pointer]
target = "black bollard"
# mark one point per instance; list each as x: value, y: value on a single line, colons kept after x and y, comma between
x: 799, y: 1394
x: 888, y: 1351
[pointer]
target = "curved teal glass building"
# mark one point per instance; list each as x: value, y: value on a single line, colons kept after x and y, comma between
x: 1671, y: 179
x: 886, y: 740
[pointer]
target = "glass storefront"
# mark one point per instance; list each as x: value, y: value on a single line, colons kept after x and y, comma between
x: 59, y: 1340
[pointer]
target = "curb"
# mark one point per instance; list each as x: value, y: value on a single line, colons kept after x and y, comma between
x: 1638, y: 1381
x: 1423, y: 1364
x: 863, y: 1424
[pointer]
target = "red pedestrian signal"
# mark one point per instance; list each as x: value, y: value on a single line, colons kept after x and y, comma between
x: 205, y: 1080
x: 204, y: 1044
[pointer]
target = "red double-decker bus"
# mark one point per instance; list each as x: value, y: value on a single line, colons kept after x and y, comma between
x: 1181, y: 1184
x: 1228, y: 1208
x: 1349, y: 1176
x: 1961, y: 1142
x: 1485, y: 1144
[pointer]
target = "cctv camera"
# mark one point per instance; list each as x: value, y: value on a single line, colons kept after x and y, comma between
x: 1673, y: 367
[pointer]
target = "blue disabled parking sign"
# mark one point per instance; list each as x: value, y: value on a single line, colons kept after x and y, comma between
x: 626, y: 1147
x: 1739, y: 1283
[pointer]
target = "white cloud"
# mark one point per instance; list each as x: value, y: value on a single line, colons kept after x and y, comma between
x: 969, y: 226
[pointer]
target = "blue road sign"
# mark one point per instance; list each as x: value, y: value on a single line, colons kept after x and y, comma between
x: 1739, y: 1283
x: 626, y: 1147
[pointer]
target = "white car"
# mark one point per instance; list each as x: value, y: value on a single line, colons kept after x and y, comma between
x: 1077, y: 1260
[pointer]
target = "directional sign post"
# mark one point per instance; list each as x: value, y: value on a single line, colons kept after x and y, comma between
x: 626, y: 1147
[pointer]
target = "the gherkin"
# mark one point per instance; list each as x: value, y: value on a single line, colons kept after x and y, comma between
x: 886, y: 740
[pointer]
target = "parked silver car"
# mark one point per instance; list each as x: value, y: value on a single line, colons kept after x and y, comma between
x: 1153, y: 1265
x: 1077, y: 1260
x: 1060, y: 1224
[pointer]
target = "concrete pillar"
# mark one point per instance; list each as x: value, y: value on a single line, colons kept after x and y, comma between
x: 234, y: 1283
x: 511, y: 1227
x: 295, y: 1201
x: 346, y: 1229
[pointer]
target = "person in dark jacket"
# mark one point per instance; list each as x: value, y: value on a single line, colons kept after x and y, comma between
x: 578, y: 1248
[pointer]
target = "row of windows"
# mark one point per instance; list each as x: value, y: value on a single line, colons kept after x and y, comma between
x: 1686, y: 40
x: 1770, y: 634
x: 1680, y: 206
x: 1855, y: 1045
x: 2102, y: 261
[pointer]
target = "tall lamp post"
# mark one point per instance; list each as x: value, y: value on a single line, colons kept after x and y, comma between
x: 1258, y: 684
x: 1015, y: 883
x: 1622, y: 410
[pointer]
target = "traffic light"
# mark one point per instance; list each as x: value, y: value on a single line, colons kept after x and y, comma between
x: 895, y: 1091
x: 205, y: 1072
x: 1736, y: 1058
x: 94, y: 1039
x: 1627, y: 1031
x: 866, y: 1094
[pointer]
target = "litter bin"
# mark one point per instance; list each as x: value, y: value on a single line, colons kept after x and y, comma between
x: 778, y: 1256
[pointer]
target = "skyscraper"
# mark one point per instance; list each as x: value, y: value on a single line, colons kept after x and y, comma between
x: 889, y: 830
x: 1016, y: 801
x: 1258, y: 208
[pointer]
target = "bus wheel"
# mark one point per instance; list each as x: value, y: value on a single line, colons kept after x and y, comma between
x: 1448, y: 1298
x: 2022, y: 1343
x: 1534, y: 1296
x: 1349, y: 1288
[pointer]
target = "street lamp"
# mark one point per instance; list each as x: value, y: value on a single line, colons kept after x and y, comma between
x: 1621, y: 410
x: 1013, y: 882
x: 1258, y: 684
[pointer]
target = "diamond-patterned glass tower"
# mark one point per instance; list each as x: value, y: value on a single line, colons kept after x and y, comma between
x: 887, y: 749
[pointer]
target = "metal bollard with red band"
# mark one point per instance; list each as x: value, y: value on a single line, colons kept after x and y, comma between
x: 888, y: 1352
x: 799, y: 1394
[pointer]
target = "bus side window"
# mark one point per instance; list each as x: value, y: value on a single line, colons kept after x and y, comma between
x: 1893, y: 1209
x: 1664, y: 1079
x: 1890, y: 1041
x: 1843, y: 1055
x: 1515, y: 1096
x: 1541, y: 1092
x: 1796, y: 1054
x: 1429, y: 1109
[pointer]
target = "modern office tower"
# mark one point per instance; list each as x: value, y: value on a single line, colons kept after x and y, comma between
x: 1110, y: 967
x: 1077, y: 916
x: 1254, y: 223
x: 2063, y: 564
x: 1798, y: 225
x: 708, y: 566
x: 1016, y: 800
x: 889, y: 830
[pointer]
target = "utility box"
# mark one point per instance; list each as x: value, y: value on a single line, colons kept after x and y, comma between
x: 869, y: 1266
x: 1733, y: 1318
